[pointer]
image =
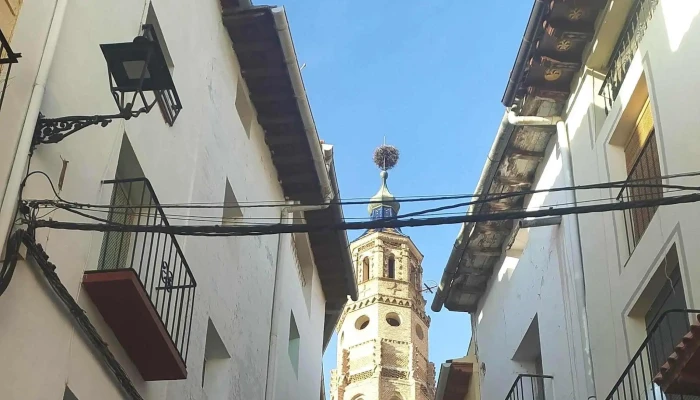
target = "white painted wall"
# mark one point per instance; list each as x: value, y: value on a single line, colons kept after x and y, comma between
x: 304, y: 381
x: 189, y: 162
x: 535, y: 285
x: 668, y: 59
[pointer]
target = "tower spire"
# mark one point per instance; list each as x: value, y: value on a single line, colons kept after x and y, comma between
x: 383, y: 335
x: 384, y: 204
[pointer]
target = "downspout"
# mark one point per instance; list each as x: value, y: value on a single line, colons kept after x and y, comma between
x: 494, y: 158
x: 578, y: 276
x: 24, y: 145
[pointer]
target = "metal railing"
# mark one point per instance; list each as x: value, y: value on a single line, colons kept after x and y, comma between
x: 627, y: 44
x: 531, y: 387
x: 636, y: 381
x: 644, y: 180
x: 7, y: 56
x: 156, y: 258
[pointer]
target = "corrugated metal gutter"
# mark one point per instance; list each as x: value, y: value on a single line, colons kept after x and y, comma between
x: 503, y: 136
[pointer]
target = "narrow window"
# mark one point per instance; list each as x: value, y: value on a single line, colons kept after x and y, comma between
x: 391, y: 267
x: 131, y: 199
x: 243, y: 106
x: 643, y: 168
x: 214, y: 364
x: 294, y: 342
x: 232, y: 211
x: 674, y: 326
x: 365, y: 270
x: 168, y: 102
x: 152, y: 19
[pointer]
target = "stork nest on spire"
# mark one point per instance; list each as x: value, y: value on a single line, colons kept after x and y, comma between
x: 386, y: 156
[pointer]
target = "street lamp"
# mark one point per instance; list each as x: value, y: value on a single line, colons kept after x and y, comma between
x: 134, y: 68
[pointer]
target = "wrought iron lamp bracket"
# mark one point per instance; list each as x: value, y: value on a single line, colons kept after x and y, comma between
x: 53, y: 130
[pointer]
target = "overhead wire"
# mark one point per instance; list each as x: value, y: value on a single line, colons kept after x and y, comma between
x: 251, y: 220
x: 488, y: 197
x: 252, y: 230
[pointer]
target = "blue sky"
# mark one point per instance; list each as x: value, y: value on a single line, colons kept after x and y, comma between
x: 428, y: 75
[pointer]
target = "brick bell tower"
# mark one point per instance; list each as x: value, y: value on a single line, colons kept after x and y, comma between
x: 382, y: 338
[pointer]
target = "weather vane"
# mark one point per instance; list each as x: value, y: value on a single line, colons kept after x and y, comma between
x: 386, y: 156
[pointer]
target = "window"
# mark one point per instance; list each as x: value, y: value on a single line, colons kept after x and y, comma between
x: 168, y: 101
x: 214, y: 364
x: 393, y: 319
x: 643, y: 168
x: 670, y: 297
x: 529, y: 356
x: 116, y: 246
x: 362, y: 322
x: 243, y: 106
x: 294, y: 342
x: 419, y: 332
x: 365, y: 269
x: 391, y: 267
x: 152, y: 19
x: 304, y: 259
x: 232, y: 211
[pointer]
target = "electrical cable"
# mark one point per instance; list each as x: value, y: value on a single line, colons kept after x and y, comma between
x: 251, y: 230
x: 482, y: 198
x: 10, y: 261
x: 217, y: 219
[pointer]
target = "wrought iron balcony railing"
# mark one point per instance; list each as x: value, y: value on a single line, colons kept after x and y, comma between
x: 643, y: 184
x: 627, y: 45
x: 637, y: 380
x: 531, y: 387
x: 156, y: 258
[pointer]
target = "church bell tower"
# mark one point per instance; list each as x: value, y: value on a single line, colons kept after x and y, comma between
x: 382, y: 338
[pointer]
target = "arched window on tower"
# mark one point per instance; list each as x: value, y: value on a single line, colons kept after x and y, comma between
x: 365, y: 269
x: 391, y: 266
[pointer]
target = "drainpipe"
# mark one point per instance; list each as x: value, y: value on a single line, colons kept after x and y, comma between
x: 19, y: 165
x: 579, y: 283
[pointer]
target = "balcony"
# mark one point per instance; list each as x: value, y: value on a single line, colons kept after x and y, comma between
x: 531, y: 387
x: 643, y: 183
x: 143, y: 286
x: 627, y: 44
x: 667, y: 364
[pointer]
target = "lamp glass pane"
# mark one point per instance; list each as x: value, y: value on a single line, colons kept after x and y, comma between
x: 134, y: 68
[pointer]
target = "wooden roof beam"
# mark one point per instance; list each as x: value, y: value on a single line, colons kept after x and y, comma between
x: 512, y: 181
x: 486, y: 252
x: 526, y: 154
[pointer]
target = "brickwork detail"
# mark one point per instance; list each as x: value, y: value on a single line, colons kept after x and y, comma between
x: 361, y: 376
x: 384, y: 351
x: 393, y: 373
